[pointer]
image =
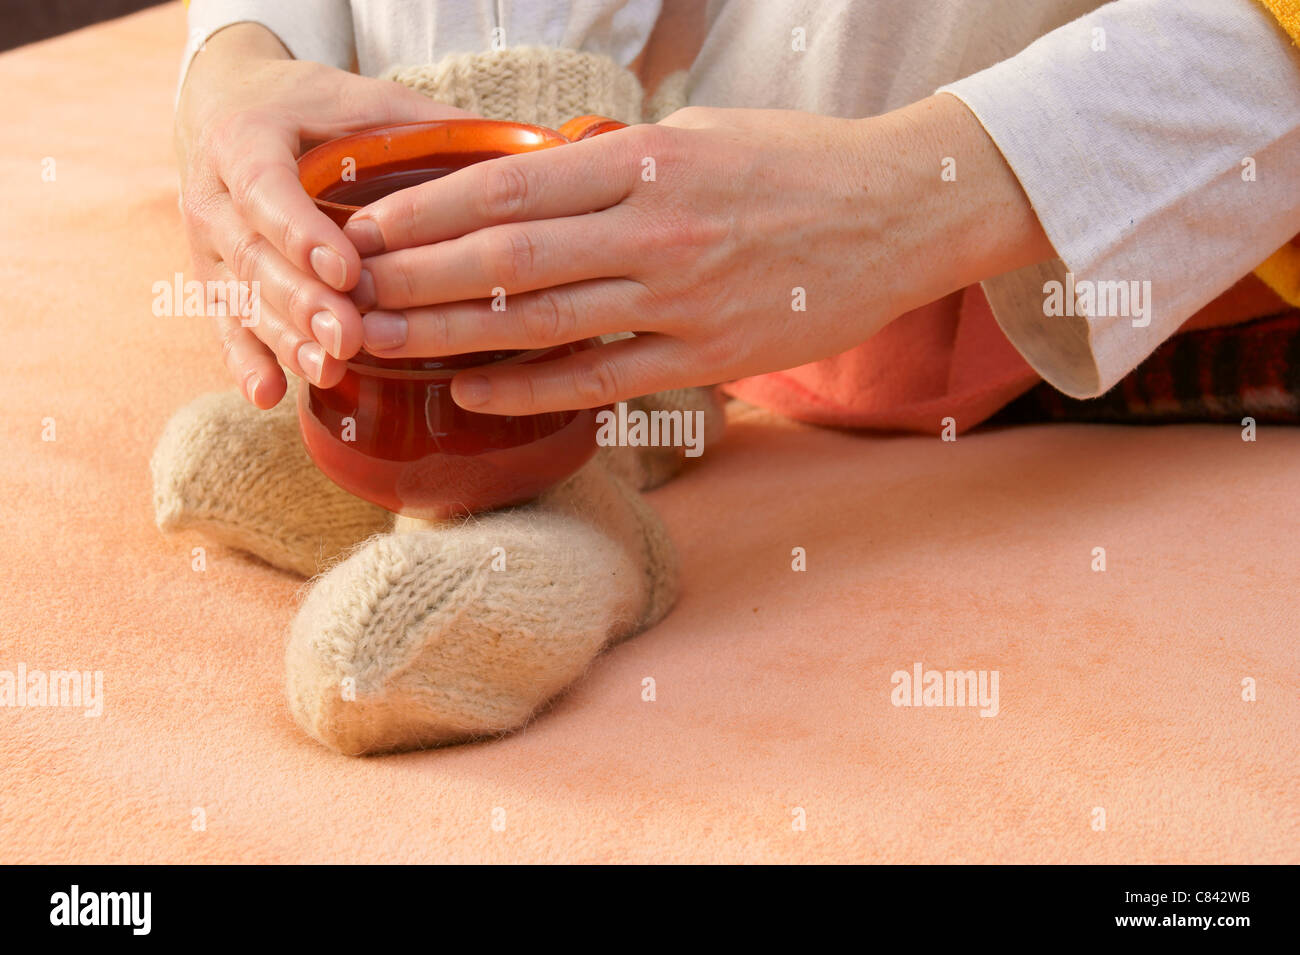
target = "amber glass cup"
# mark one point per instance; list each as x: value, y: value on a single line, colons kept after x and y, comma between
x: 390, y: 432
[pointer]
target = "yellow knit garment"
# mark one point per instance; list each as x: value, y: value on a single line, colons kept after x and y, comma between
x: 1281, y: 270
x: 1287, y: 13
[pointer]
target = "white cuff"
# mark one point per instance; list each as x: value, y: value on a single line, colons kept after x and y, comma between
x: 319, y: 31
x: 1157, y: 142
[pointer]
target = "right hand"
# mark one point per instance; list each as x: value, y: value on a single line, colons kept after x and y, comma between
x: 246, y: 113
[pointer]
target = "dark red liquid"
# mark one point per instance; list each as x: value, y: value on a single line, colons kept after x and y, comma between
x: 380, y: 181
x: 389, y: 432
x: 365, y: 191
x: 416, y: 452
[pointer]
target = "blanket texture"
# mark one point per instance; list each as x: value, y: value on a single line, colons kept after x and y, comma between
x: 754, y: 724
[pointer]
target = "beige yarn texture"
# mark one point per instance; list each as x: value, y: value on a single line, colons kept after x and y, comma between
x: 647, y: 468
x: 241, y: 477
x: 418, y: 634
x: 542, y: 86
x: 416, y: 640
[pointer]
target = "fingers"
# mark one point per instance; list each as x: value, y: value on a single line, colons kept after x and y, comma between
x: 541, y: 319
x: 583, y: 177
x: 517, y: 257
x: 598, y: 376
x: 251, y: 364
x: 261, y: 175
x: 256, y: 161
x: 257, y: 341
x: 296, y: 352
x: 314, y: 309
x: 350, y: 103
x: 257, y: 234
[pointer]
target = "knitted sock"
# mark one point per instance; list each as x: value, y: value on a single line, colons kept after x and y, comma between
x: 241, y: 477
x: 647, y: 468
x: 447, y: 632
x: 539, y: 85
x: 442, y: 632
x: 542, y: 86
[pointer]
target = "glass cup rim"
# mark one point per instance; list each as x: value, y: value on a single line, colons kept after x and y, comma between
x: 426, y: 374
x: 320, y: 150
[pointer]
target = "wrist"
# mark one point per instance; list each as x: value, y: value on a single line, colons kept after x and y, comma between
x: 959, y: 214
x: 222, y: 63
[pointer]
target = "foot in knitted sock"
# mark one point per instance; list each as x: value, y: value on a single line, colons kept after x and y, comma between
x: 647, y: 468
x: 442, y: 633
x: 241, y: 477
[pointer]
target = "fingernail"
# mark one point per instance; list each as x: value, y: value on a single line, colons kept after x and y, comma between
x: 330, y: 266
x: 252, y: 382
x: 363, y: 296
x: 329, y: 332
x: 384, y: 331
x: 470, y: 391
x: 365, y: 235
x: 311, y: 357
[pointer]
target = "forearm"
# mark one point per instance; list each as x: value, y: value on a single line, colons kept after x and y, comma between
x: 958, y: 215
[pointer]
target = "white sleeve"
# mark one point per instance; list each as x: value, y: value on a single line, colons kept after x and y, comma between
x: 1159, y: 142
x: 315, y: 30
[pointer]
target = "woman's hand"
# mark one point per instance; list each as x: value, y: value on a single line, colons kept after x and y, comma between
x: 734, y: 242
x: 244, y: 116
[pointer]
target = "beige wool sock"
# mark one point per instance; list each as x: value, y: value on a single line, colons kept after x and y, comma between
x: 529, y: 84
x: 542, y: 86
x: 446, y: 632
x: 242, y: 477
x: 647, y: 468
x: 449, y: 631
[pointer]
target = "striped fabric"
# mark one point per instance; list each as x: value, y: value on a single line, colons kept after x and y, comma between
x: 1215, y: 374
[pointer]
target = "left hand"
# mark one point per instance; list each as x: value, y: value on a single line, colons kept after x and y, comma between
x: 702, y: 259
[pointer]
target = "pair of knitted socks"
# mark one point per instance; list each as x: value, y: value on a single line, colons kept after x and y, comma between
x: 414, y: 633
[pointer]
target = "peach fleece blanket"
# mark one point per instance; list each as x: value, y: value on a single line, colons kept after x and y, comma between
x: 772, y: 735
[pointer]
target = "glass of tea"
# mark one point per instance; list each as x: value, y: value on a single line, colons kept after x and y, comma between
x: 390, y: 432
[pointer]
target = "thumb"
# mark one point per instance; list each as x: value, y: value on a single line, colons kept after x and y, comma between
x: 405, y: 105
x: 364, y: 103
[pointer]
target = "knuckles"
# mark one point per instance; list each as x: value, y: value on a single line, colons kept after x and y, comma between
x: 717, y: 352
x: 598, y: 384
x: 684, y: 234
x: 249, y: 183
x: 654, y: 141
x: 294, y: 239
x: 196, y: 208
x: 513, y: 258
x: 437, y: 333
x: 301, y: 305
x: 229, y: 339
x: 548, y: 319
x: 398, y: 218
x: 505, y: 192
x: 246, y: 255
